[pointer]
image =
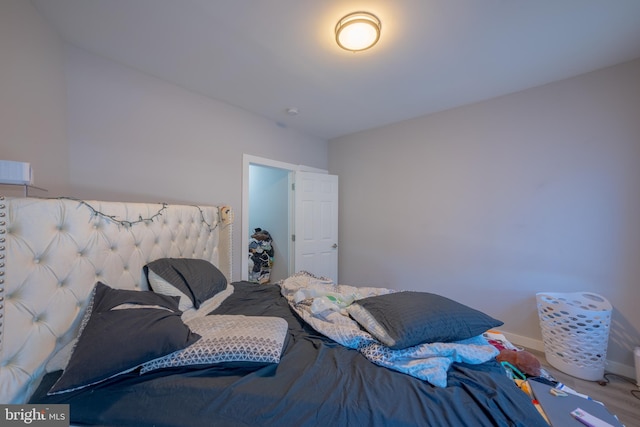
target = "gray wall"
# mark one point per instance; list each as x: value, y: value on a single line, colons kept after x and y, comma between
x: 94, y: 129
x: 32, y: 98
x: 135, y: 137
x: 493, y: 202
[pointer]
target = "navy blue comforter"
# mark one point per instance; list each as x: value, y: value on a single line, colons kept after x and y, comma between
x: 316, y: 383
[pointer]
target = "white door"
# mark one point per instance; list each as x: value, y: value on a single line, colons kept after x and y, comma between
x: 316, y: 224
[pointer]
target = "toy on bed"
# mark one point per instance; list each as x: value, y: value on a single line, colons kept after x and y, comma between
x: 525, y: 363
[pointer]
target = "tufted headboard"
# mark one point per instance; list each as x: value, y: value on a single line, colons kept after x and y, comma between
x: 52, y: 252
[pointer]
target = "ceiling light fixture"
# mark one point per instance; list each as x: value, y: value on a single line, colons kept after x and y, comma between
x: 358, y: 31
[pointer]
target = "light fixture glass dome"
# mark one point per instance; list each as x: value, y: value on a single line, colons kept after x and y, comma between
x: 358, y: 31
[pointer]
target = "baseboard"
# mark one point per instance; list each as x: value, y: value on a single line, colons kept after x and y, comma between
x: 609, y: 366
x: 522, y: 341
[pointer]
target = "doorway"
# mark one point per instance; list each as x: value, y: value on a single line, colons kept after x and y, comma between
x: 268, y: 179
x: 268, y: 202
x: 268, y: 216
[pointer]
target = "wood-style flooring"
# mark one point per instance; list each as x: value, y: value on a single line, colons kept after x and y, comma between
x: 616, y: 394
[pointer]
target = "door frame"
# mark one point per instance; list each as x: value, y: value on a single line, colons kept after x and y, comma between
x: 247, y: 161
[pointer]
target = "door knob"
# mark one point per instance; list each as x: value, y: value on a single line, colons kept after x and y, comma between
x: 334, y: 246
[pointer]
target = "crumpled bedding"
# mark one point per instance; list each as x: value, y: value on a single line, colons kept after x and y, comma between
x: 321, y: 303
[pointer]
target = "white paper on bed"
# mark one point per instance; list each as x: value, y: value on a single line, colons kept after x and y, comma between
x: 428, y: 362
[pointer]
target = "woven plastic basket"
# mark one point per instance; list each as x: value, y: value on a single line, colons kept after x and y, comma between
x: 575, y: 332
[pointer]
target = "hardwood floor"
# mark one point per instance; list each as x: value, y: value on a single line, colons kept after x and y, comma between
x: 616, y: 394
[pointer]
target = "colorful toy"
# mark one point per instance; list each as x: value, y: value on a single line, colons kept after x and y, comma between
x: 523, y: 360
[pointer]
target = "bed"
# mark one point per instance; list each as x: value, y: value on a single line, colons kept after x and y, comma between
x: 77, y: 275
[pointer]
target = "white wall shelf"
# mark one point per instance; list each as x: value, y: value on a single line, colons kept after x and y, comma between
x: 26, y: 187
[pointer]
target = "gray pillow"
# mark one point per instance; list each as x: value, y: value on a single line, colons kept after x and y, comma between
x: 248, y: 341
x: 193, y: 280
x: 121, y: 330
x: 406, y: 319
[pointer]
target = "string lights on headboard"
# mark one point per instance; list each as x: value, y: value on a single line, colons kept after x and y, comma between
x: 128, y: 223
x: 122, y: 222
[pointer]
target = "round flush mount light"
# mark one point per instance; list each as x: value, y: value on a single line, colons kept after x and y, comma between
x: 358, y: 31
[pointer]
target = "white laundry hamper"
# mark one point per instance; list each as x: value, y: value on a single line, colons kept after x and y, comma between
x: 575, y: 331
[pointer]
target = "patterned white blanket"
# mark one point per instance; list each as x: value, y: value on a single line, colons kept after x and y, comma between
x: 321, y: 304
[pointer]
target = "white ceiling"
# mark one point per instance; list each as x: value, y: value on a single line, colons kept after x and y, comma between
x: 268, y: 55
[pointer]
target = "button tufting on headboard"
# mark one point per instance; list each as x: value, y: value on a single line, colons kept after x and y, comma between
x: 54, y: 250
x: 3, y: 225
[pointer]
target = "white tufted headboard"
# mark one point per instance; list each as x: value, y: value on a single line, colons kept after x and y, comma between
x: 52, y: 251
